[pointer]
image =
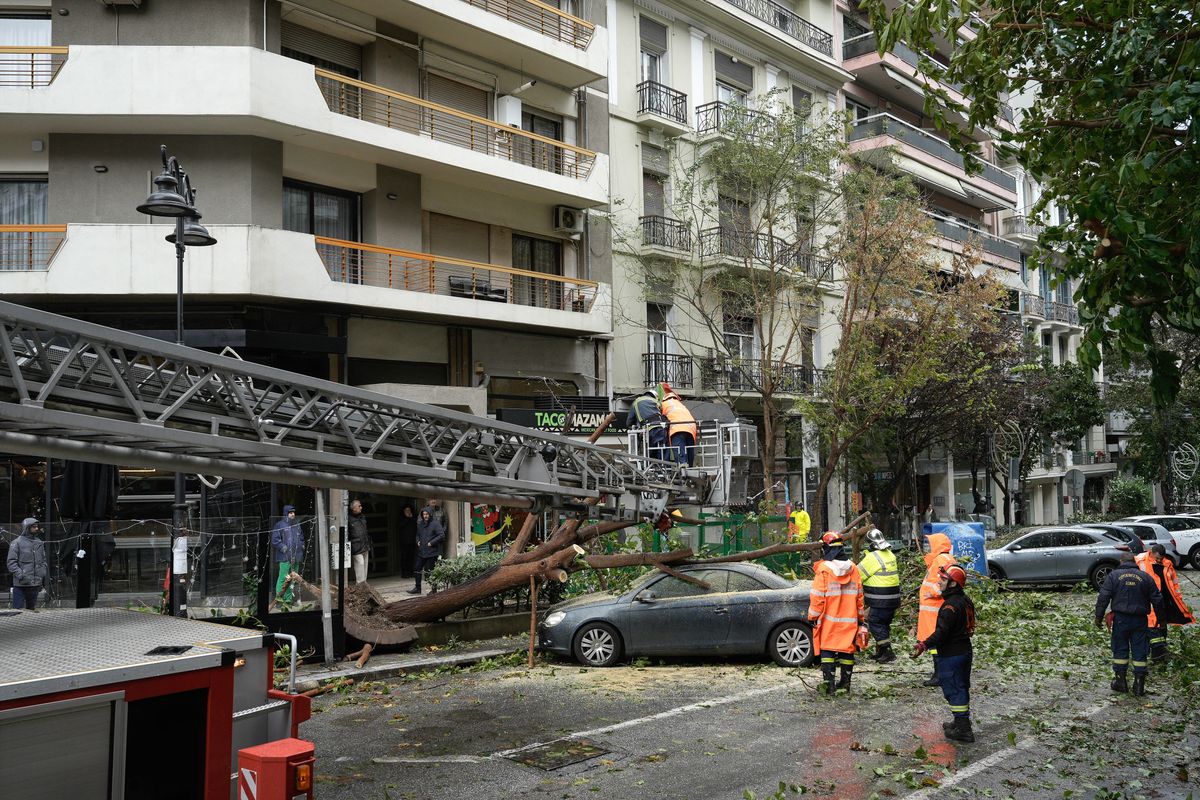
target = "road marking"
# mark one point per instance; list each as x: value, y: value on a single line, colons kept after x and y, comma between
x: 998, y: 757
x: 432, y: 760
x: 629, y: 723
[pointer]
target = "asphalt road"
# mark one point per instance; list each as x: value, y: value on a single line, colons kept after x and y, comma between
x: 717, y: 730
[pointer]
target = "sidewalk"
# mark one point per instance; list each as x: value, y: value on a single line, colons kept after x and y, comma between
x: 310, y: 676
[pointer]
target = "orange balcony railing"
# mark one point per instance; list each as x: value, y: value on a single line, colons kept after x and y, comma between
x: 29, y: 248
x: 545, y: 19
x: 30, y: 66
x: 365, y: 101
x: 371, y: 265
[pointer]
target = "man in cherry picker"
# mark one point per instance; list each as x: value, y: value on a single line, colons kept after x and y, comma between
x: 645, y: 413
x: 681, y: 426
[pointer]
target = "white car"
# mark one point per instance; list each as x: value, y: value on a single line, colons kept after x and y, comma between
x: 1184, y: 529
x: 1151, y: 533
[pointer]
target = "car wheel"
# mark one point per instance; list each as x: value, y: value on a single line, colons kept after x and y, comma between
x: 996, y: 573
x: 791, y: 645
x: 597, y: 644
x: 1194, y: 557
x: 1099, y: 573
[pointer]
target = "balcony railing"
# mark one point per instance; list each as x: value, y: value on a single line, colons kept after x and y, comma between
x: 887, y: 125
x: 665, y: 232
x: 721, y: 373
x: 1035, y: 305
x: 789, y: 22
x: 1019, y: 225
x: 719, y: 117
x: 29, y: 248
x: 674, y: 369
x: 544, y: 19
x: 956, y: 231
x: 30, y: 66
x: 867, y: 43
x: 354, y: 98
x: 735, y: 243
x: 655, y: 98
x: 370, y: 265
x: 1064, y: 312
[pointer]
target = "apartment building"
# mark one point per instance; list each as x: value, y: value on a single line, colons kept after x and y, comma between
x: 399, y: 190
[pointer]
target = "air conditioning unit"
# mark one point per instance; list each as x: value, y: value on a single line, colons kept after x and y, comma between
x: 568, y: 220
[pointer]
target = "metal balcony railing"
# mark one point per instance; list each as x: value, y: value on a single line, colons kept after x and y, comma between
x: 1020, y: 225
x: 956, y: 231
x: 29, y: 248
x: 887, y: 125
x: 746, y: 245
x: 788, y: 21
x: 1035, y: 305
x: 371, y: 265
x: 542, y: 18
x: 721, y: 373
x: 676, y: 370
x: 867, y: 43
x: 30, y: 66
x: 656, y: 98
x: 1064, y: 312
x: 718, y: 117
x: 665, y: 232
x: 354, y: 98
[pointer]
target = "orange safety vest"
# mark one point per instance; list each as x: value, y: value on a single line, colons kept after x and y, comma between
x: 835, y: 606
x: 678, y: 417
x: 1171, y: 578
x: 930, y: 597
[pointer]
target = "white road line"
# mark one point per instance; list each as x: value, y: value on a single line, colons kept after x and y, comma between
x: 998, y: 757
x: 431, y: 760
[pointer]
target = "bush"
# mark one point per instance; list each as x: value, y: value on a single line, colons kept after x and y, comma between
x: 1129, y: 497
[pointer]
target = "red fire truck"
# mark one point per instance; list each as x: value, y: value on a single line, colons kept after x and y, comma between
x: 108, y: 703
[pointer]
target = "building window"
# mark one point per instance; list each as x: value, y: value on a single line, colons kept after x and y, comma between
x: 537, y: 255
x: 654, y: 196
x: 653, y: 35
x: 857, y: 111
x: 25, y: 29
x: 22, y: 202
x: 320, y: 50
x: 536, y: 153
x: 735, y: 79
x: 657, y: 337
x: 320, y: 210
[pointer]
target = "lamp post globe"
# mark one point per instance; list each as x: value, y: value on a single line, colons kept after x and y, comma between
x: 165, y: 200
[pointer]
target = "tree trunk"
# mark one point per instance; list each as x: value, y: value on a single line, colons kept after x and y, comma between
x: 767, y: 448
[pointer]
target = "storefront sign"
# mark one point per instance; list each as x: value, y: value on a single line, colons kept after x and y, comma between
x: 552, y: 421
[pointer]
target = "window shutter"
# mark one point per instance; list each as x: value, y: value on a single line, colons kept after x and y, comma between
x: 447, y: 92
x: 801, y: 98
x: 739, y: 73
x: 654, y: 159
x: 654, y: 35
x: 320, y: 45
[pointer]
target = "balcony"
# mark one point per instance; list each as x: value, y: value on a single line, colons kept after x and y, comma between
x: 996, y: 251
x: 541, y: 18
x: 1064, y: 313
x: 1034, y: 305
x: 31, y: 66
x: 723, y: 374
x: 718, y: 119
x: 932, y: 161
x: 788, y: 22
x: 1019, y: 226
x: 661, y: 106
x: 674, y: 369
x: 365, y: 101
x: 665, y: 233
x: 29, y: 248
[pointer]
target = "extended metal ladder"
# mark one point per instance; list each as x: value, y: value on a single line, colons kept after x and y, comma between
x: 76, y: 390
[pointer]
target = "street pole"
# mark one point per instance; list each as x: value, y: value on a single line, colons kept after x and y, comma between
x: 179, y: 578
x: 324, y: 554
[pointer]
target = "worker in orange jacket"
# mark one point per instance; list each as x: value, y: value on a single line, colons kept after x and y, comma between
x: 1175, y: 611
x: 930, y: 596
x: 835, y: 610
x: 681, y: 426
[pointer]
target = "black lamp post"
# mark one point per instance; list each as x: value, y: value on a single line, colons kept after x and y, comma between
x: 174, y: 196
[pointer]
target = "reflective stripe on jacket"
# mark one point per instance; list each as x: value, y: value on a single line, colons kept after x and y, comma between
x: 930, y: 596
x: 678, y: 417
x: 835, y: 606
x: 1171, y: 579
x: 881, y: 579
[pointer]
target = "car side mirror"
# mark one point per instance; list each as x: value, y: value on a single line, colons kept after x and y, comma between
x: 647, y: 597
x: 1016, y: 548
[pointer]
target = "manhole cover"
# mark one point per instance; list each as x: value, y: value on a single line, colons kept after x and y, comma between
x: 557, y: 755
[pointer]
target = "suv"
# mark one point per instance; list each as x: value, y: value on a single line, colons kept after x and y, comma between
x: 1152, y: 533
x: 1057, y: 555
x: 1184, y: 529
x: 1122, y: 532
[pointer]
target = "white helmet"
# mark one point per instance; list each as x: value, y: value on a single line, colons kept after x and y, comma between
x: 877, y: 540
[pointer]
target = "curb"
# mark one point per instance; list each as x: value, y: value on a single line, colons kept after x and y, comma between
x: 311, y: 680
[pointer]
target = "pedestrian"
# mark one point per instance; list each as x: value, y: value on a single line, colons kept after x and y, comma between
x: 408, y: 540
x: 1175, y: 611
x: 287, y: 544
x: 799, y: 523
x: 1133, y: 595
x: 881, y: 593
x: 645, y: 413
x: 681, y: 427
x: 951, y: 638
x: 430, y: 535
x: 438, y: 512
x: 835, y: 611
x: 930, y: 595
x: 360, y: 540
x: 27, y: 563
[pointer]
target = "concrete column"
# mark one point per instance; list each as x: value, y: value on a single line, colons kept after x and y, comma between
x: 614, y: 65
x: 699, y: 95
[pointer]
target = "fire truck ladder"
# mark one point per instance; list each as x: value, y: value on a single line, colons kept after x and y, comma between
x: 76, y: 390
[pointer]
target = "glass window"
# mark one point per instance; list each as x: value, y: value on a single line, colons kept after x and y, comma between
x: 651, y: 67
x: 1035, y: 540
x: 656, y: 328
x: 670, y: 586
x: 22, y: 202
x: 730, y: 94
x: 743, y: 583
x: 25, y: 29
x: 654, y: 195
x: 320, y: 210
x: 858, y: 111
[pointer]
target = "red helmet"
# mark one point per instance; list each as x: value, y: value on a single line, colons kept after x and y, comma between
x: 954, y: 573
x: 831, y: 538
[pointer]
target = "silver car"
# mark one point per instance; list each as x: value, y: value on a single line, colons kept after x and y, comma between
x: 1152, y: 533
x: 1057, y: 555
x: 739, y: 609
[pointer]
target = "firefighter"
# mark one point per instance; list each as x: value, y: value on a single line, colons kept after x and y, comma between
x: 951, y: 638
x: 1134, y: 596
x: 681, y: 425
x: 881, y: 592
x: 1175, y: 611
x: 799, y: 523
x: 930, y: 597
x: 835, y: 610
x: 645, y: 413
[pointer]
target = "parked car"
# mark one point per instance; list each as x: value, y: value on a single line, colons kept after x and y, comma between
x: 1152, y: 533
x: 1184, y: 529
x: 740, y: 609
x: 1057, y: 555
x: 1119, y: 531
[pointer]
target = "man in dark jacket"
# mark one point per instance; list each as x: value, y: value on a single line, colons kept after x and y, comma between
x: 1133, y: 595
x: 430, y: 535
x: 408, y: 540
x: 287, y: 549
x: 27, y: 563
x: 360, y: 540
x: 644, y: 412
x: 951, y: 638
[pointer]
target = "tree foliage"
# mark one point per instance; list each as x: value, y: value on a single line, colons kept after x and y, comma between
x: 1130, y: 496
x: 1110, y: 132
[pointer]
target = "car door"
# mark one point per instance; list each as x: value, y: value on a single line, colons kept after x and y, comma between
x: 1075, y: 552
x: 1031, y: 558
x: 752, y: 612
x: 675, y: 617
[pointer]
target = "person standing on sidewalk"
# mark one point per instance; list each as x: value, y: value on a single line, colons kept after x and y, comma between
x: 430, y: 535
x: 1133, y: 596
x: 27, y: 563
x: 287, y: 546
x: 360, y: 541
x: 835, y: 611
x: 799, y: 524
x: 951, y: 638
x: 881, y: 592
x: 1175, y: 612
x: 930, y: 597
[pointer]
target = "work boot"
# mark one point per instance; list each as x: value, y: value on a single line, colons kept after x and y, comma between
x: 414, y: 590
x: 885, y: 654
x: 960, y: 730
x: 1139, y: 685
x: 844, y: 684
x: 932, y: 680
x: 1119, y: 684
x: 827, y: 677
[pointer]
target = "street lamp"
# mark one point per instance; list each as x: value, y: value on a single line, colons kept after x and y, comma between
x: 174, y: 196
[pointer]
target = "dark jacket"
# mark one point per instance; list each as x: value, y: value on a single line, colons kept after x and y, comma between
x: 1131, y: 592
x: 360, y: 540
x: 645, y: 413
x: 955, y: 624
x: 430, y: 535
x: 27, y: 557
x: 408, y: 531
x: 287, y: 541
